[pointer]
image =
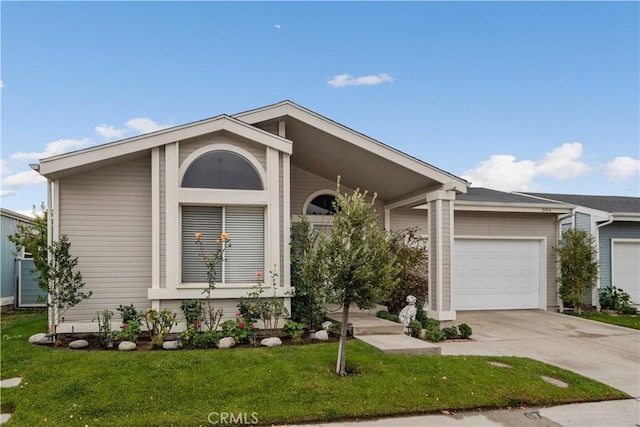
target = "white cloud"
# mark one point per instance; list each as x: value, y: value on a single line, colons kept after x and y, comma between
x: 563, y: 162
x: 7, y: 193
x: 109, y: 132
x: 277, y: 26
x: 1, y: 84
x: 21, y: 179
x: 621, y: 168
x: 502, y: 172
x: 342, y: 80
x: 52, y: 149
x: 4, y: 167
x: 133, y: 127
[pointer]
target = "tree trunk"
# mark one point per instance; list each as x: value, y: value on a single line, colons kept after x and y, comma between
x: 342, y: 348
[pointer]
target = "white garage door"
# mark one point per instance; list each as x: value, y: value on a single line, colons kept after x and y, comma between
x: 626, y: 267
x: 494, y: 274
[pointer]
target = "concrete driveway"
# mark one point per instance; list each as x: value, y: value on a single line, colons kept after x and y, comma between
x: 606, y: 353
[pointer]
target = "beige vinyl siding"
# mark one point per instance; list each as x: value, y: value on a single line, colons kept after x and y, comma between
x: 404, y: 218
x: 189, y: 146
x: 446, y: 254
x: 515, y: 224
x: 304, y: 184
x: 229, y: 308
x: 433, y: 256
x: 107, y: 215
x: 271, y: 127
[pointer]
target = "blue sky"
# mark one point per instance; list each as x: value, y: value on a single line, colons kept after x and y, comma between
x: 537, y: 96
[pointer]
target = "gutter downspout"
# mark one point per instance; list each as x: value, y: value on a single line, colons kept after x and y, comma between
x: 598, y: 226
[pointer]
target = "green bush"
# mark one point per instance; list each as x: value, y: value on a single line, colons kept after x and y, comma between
x: 383, y: 314
x: 435, y: 335
x: 238, y: 329
x: 431, y: 324
x: 414, y: 328
x: 193, y: 311
x: 465, y: 331
x: 207, y: 339
x: 294, y: 329
x: 334, y: 330
x: 450, y: 332
x: 612, y: 298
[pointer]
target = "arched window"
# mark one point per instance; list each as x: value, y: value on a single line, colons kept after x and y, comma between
x: 322, y: 204
x: 222, y: 169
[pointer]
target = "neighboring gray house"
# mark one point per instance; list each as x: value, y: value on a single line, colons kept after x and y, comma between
x: 19, y: 286
x: 614, y: 221
x: 131, y: 209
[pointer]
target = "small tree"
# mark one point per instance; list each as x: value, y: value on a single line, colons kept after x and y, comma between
x: 306, y: 304
x: 577, y: 256
x: 33, y: 238
x: 355, y: 265
x: 61, y: 281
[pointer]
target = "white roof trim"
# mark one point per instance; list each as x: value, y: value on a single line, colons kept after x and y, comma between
x: 144, y: 142
x: 556, y: 208
x: 288, y: 108
x: 16, y: 215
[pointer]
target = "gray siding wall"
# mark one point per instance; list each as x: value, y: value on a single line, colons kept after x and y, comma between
x: 8, y: 226
x: 107, y: 215
x: 583, y: 222
x: 515, y: 224
x: 616, y: 230
x: 404, y: 218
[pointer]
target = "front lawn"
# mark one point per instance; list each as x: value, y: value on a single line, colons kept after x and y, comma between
x: 626, y: 320
x: 290, y: 384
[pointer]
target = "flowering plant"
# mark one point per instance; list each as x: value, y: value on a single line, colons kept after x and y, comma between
x: 159, y: 324
x: 130, y: 331
x: 239, y: 329
x: 269, y: 309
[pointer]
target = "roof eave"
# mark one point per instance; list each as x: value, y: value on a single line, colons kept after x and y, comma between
x: 52, y: 165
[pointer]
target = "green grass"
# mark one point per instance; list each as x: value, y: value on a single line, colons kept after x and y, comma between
x: 281, y: 385
x: 626, y: 320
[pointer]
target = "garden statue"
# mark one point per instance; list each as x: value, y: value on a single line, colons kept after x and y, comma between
x: 408, y: 313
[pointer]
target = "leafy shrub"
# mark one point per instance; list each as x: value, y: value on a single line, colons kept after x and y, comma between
x: 383, y: 314
x: 435, y: 335
x: 207, y: 339
x: 129, y: 313
x: 159, y: 324
x: 431, y: 324
x: 450, y: 332
x: 465, y: 330
x: 414, y: 328
x: 239, y: 329
x: 412, y: 261
x: 612, y: 298
x: 130, y: 331
x: 577, y: 256
x: 193, y: 311
x: 334, y: 330
x: 294, y: 329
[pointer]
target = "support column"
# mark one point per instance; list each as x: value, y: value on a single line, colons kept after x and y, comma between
x: 440, y: 220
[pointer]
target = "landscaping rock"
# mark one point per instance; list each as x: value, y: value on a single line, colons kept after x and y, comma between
x: 10, y: 382
x: 326, y: 325
x: 39, y: 339
x: 271, y: 342
x: 127, y: 346
x: 499, y: 365
x: 170, y: 345
x: 226, y: 342
x: 554, y: 381
x: 78, y: 344
x: 321, y: 336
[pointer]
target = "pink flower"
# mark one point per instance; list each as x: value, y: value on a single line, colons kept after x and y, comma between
x: 241, y: 325
x: 124, y: 326
x: 238, y: 314
x: 259, y: 274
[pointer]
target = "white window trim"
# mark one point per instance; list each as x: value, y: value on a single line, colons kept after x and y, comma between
x: 313, y: 195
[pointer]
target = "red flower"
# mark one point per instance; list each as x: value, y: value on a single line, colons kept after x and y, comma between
x: 238, y: 314
x: 241, y: 325
x: 259, y: 274
x: 124, y: 326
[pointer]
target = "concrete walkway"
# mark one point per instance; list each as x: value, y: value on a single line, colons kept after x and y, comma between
x: 385, y: 335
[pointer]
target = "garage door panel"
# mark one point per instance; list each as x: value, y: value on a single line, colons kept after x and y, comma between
x: 626, y: 268
x: 492, y: 274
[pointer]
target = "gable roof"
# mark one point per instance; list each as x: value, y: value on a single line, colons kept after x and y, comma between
x: 618, y: 204
x: 322, y: 146
x: 485, y: 199
x: 52, y: 167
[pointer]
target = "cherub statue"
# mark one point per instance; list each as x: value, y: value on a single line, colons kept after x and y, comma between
x: 408, y: 313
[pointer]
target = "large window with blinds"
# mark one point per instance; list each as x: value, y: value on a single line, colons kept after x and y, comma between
x: 244, y: 254
x: 212, y: 174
